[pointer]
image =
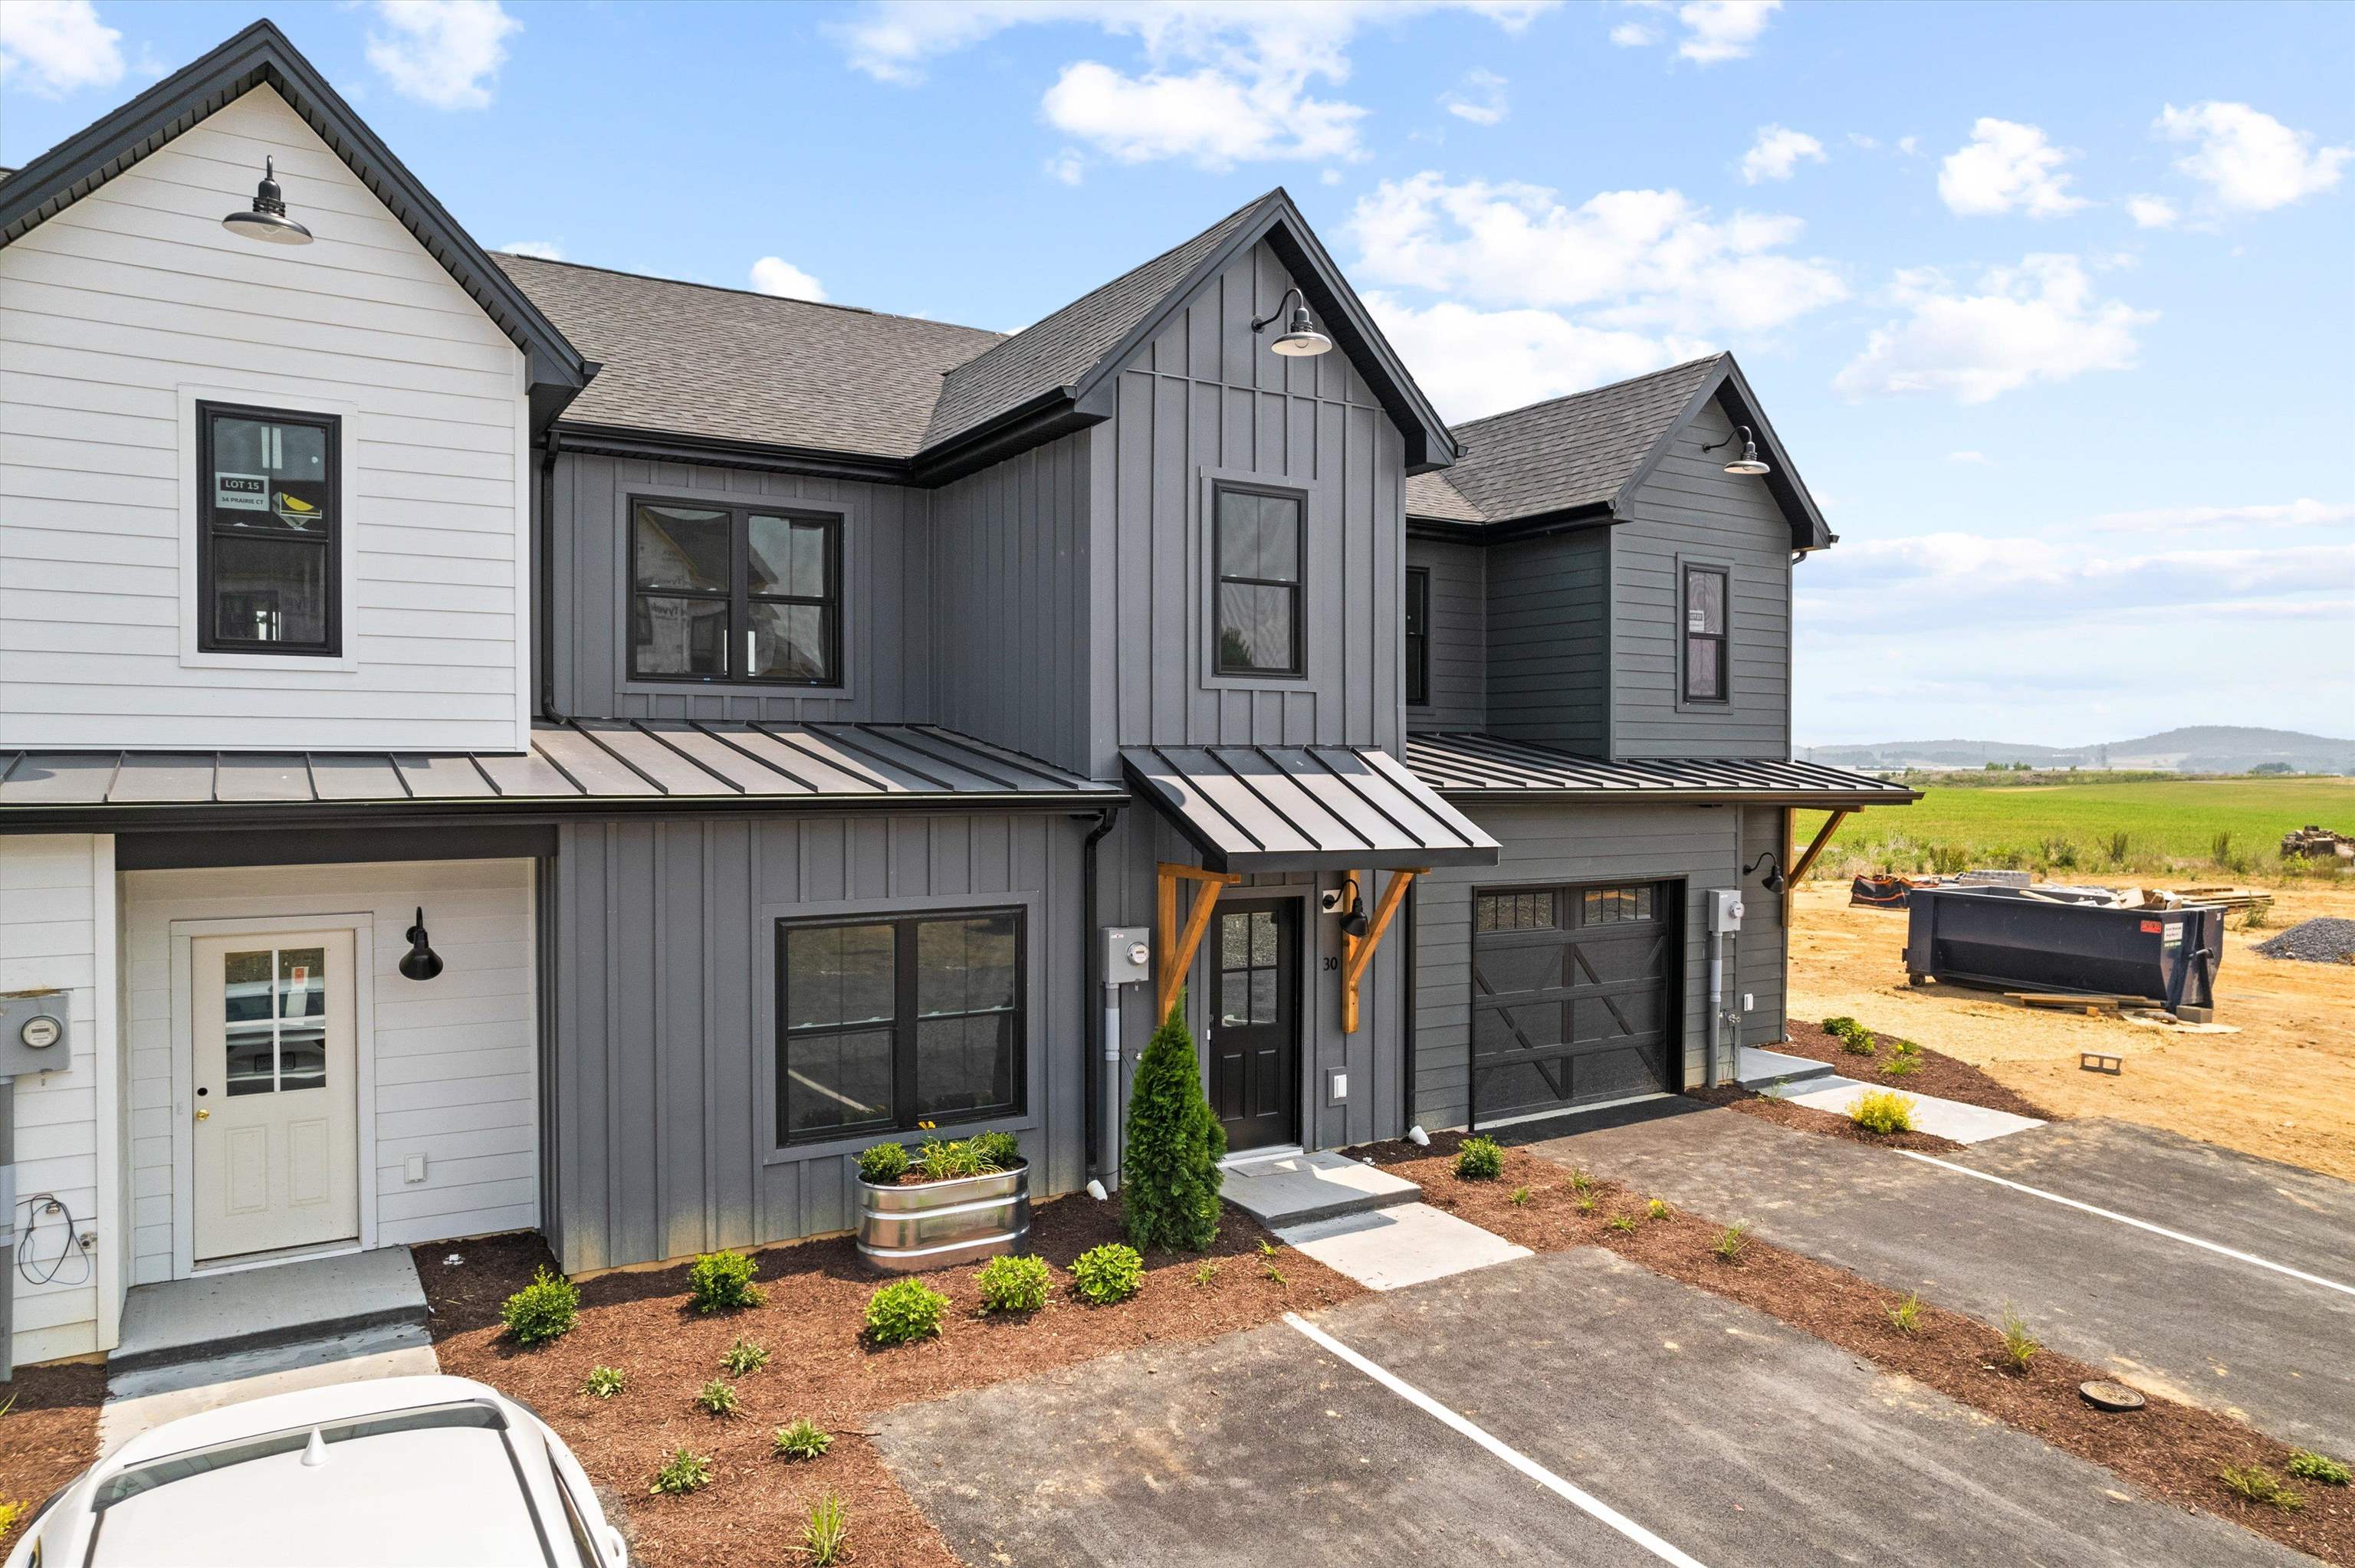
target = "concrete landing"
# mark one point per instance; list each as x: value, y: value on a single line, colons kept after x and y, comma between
x: 1405, y: 1244
x: 1944, y: 1118
x: 218, y: 1314
x: 147, y: 1397
x: 1756, y: 1068
x: 1299, y: 1189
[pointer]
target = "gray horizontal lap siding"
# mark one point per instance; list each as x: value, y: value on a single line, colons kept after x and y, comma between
x: 1549, y: 640
x: 1760, y: 965
x: 659, y: 1085
x: 887, y: 599
x: 1458, y: 634
x: 1545, y: 846
x: 1690, y: 508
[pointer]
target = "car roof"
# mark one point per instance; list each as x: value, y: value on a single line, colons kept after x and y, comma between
x: 303, y: 1407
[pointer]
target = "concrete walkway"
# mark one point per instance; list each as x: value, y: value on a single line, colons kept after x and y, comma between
x: 1361, y: 1221
x: 2169, y: 1316
x: 1946, y: 1118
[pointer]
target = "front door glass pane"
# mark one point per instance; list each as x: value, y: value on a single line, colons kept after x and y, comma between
x: 274, y: 1019
x: 302, y: 1018
x: 252, y: 1030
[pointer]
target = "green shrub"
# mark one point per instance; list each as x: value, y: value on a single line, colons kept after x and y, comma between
x: 998, y: 1150
x: 718, y: 1398
x: 742, y: 1357
x: 1207, y: 1272
x: 1480, y: 1159
x: 827, y: 1535
x: 1900, y: 1067
x: 883, y: 1164
x: 604, y: 1382
x: 11, y: 1515
x: 1169, y: 1171
x: 1854, y: 1037
x: 1730, y: 1243
x: 545, y: 1310
x: 1883, y: 1111
x: 683, y: 1473
x: 1623, y: 1221
x: 946, y: 1161
x: 2311, y: 1466
x: 902, y: 1310
x: 1521, y: 1198
x: 2255, y: 1483
x: 1588, y: 1202
x: 1014, y: 1284
x: 801, y: 1439
x: 1658, y: 1209
x: 1106, y: 1273
x: 720, y: 1281
x: 1948, y: 860
x: 2119, y: 847
x: 2020, y: 1347
x: 1906, y: 1315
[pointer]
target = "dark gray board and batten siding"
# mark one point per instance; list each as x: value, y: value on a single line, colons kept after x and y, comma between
x: 1759, y: 968
x: 660, y: 1082
x: 1458, y: 635
x: 1549, y: 640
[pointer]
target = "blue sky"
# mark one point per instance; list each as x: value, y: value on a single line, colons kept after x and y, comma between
x: 2053, y: 304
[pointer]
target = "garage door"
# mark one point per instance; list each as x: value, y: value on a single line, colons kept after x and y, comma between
x: 1570, y: 996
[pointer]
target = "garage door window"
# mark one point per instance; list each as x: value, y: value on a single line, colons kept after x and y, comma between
x: 1513, y: 912
x: 1611, y: 905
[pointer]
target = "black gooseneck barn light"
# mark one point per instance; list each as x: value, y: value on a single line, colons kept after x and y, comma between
x: 1773, y: 880
x: 421, y: 962
x: 1749, y: 461
x: 1354, y: 923
x: 1300, y: 337
x: 267, y: 220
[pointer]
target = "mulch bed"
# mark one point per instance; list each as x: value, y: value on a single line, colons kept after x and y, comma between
x: 1807, y: 1118
x: 1945, y: 1076
x: 50, y: 1433
x: 755, y: 1508
x: 2172, y: 1451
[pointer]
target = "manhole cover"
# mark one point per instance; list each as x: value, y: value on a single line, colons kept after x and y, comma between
x: 2105, y: 1395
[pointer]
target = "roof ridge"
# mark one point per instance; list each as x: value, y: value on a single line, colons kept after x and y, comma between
x: 503, y: 255
x: 1591, y: 391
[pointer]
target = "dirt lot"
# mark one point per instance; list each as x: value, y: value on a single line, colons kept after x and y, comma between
x: 2281, y: 1085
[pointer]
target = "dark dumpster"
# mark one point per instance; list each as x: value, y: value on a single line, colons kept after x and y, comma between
x: 2016, y: 940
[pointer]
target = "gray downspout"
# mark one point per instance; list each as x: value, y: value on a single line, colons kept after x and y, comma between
x: 8, y: 1228
x: 547, y: 605
x: 1103, y: 1078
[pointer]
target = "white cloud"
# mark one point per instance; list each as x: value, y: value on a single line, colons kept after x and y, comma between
x: 1909, y: 145
x: 1207, y: 116
x: 2007, y: 165
x: 1472, y: 362
x: 775, y: 275
x: 2303, y: 513
x: 545, y: 250
x: 2151, y: 212
x: 1638, y: 261
x: 1777, y: 152
x: 1863, y: 143
x: 1069, y: 166
x: 1722, y: 29
x: 1979, y: 578
x: 1481, y: 100
x: 1634, y: 35
x: 1329, y: 177
x: 446, y: 53
x: 2036, y: 321
x: 51, y: 47
x: 1970, y: 457
x: 2251, y: 160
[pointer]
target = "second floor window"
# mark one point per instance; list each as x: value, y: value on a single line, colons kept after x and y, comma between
x: 1418, y: 637
x: 1705, y: 655
x: 1260, y: 549
x: 270, y: 523
x: 734, y: 593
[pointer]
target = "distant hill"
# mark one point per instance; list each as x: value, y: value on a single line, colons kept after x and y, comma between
x: 2197, y: 748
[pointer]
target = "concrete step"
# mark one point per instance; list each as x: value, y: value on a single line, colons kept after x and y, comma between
x: 1298, y: 1189
x: 1760, y: 1069
x: 1404, y: 1245
x: 212, y: 1315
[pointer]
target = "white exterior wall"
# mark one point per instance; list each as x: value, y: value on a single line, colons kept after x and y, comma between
x: 56, y: 933
x: 116, y: 316
x: 448, y: 1066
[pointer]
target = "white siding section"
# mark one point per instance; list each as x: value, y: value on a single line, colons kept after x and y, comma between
x: 56, y: 933
x: 454, y: 1057
x: 114, y: 315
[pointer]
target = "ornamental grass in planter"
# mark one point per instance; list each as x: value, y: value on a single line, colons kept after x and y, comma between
x: 952, y: 1200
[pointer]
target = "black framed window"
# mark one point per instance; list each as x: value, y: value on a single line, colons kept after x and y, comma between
x: 1705, y: 613
x: 1513, y: 911
x: 888, y: 1025
x: 1418, y: 637
x: 734, y: 593
x: 1260, y: 550
x: 268, y: 531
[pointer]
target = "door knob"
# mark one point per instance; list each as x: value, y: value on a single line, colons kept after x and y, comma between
x: 203, y: 1113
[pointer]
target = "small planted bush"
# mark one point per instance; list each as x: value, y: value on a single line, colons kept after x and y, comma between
x: 947, y: 1159
x: 1206, y: 1271
x: 1900, y: 1067
x: 1854, y: 1037
x: 998, y: 1150
x: 1014, y: 1284
x: 826, y: 1537
x: 1588, y: 1202
x: 722, y: 1281
x: 1658, y: 1209
x: 801, y: 1439
x: 743, y: 1356
x: 1882, y: 1111
x: 883, y: 1164
x: 718, y: 1398
x: 1480, y: 1159
x: 2255, y: 1484
x: 1906, y: 1315
x: 1106, y: 1273
x: 1521, y: 1198
x: 1730, y: 1242
x: 1623, y: 1221
x: 682, y: 1473
x: 2320, y: 1468
x: 2020, y: 1347
x: 604, y: 1382
x: 1169, y: 1166
x: 545, y: 1310
x: 902, y: 1310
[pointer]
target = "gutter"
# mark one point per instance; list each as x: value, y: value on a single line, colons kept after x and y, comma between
x: 1642, y: 796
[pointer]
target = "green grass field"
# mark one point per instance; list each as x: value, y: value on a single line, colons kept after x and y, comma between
x: 2070, y: 826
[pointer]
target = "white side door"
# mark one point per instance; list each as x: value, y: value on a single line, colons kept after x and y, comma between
x: 276, y: 1134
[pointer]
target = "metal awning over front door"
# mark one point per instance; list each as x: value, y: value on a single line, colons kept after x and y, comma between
x: 1303, y: 807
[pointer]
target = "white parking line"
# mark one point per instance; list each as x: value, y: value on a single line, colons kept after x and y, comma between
x: 1590, y: 1505
x: 2232, y: 1253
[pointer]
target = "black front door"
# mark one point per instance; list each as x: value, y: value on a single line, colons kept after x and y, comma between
x: 1255, y: 1043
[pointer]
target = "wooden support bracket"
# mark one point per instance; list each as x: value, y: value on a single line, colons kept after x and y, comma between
x: 1357, y: 952
x: 1177, y: 947
x: 1806, y: 862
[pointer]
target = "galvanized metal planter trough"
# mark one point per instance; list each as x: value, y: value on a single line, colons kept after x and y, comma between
x: 933, y: 1224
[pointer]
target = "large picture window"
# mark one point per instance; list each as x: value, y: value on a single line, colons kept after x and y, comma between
x: 269, y: 521
x: 1705, y: 612
x: 887, y: 1026
x: 1418, y: 637
x: 1261, y: 554
x: 734, y: 593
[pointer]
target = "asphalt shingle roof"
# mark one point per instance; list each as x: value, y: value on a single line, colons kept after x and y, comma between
x: 1565, y: 452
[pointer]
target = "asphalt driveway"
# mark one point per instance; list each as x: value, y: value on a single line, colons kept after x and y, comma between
x: 1724, y: 1435
x: 2232, y: 1335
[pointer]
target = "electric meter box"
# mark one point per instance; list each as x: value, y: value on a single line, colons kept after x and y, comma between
x: 33, y: 1036
x: 1128, y: 954
x: 1724, y: 910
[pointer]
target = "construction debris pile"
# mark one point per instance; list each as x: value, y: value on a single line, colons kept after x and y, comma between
x: 2311, y: 842
x: 2329, y: 940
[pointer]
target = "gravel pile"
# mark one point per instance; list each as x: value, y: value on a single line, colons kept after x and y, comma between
x: 2325, y: 941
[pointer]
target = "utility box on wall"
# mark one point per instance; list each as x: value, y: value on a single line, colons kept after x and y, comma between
x: 1724, y: 910
x: 33, y: 1034
x: 1127, y: 955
